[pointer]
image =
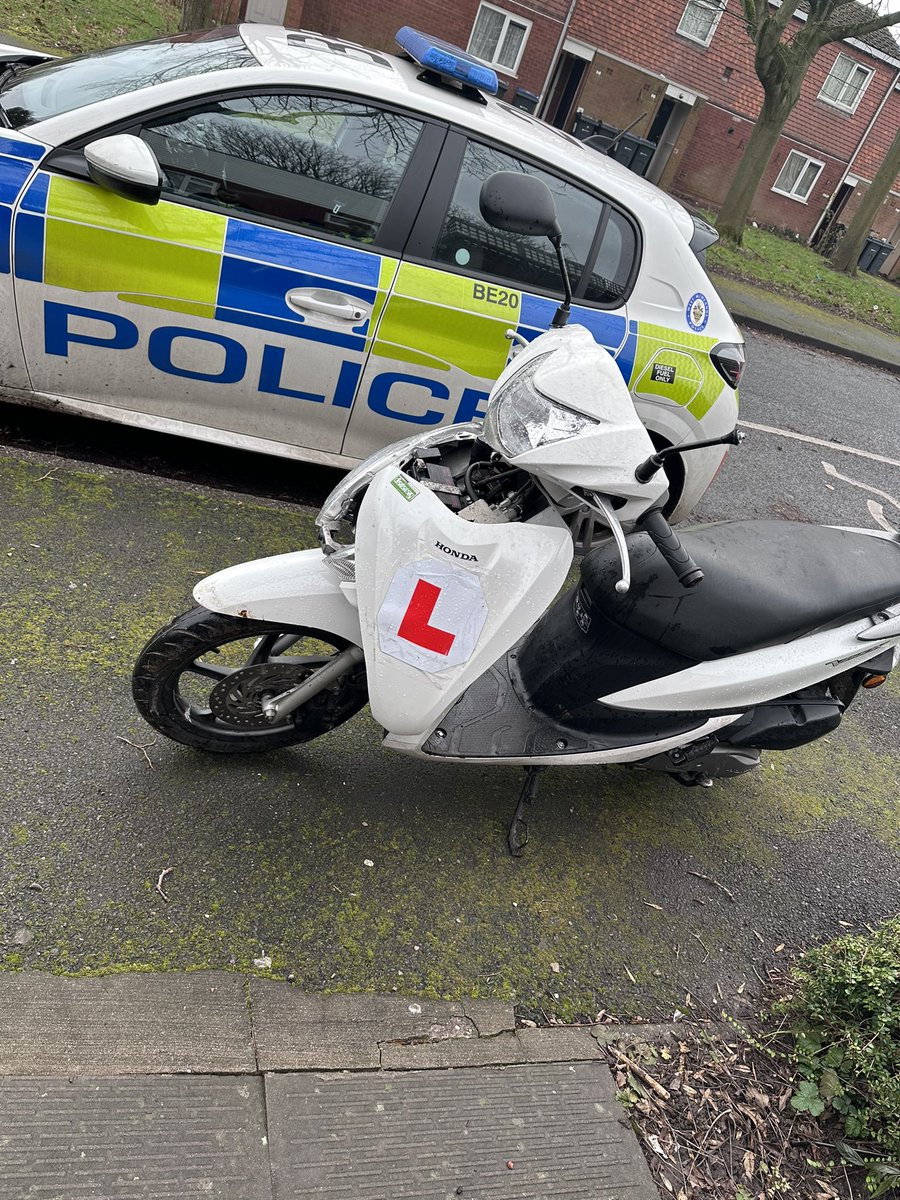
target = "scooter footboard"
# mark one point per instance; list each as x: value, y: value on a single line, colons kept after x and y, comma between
x: 292, y: 589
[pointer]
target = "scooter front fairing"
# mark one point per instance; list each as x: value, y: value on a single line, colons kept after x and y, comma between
x: 441, y: 599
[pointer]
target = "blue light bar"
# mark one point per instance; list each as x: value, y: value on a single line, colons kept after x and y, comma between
x: 448, y: 60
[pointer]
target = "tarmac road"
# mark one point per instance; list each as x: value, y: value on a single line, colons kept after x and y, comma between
x: 268, y: 854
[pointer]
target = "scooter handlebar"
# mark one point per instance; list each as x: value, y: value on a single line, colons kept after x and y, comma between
x: 668, y: 544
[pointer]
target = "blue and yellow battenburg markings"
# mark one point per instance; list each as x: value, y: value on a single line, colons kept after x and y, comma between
x: 74, y: 235
x: 18, y: 160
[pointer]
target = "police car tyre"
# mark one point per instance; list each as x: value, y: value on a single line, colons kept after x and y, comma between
x: 183, y: 654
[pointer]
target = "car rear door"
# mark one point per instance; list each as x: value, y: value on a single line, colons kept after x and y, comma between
x: 442, y: 338
x: 242, y: 306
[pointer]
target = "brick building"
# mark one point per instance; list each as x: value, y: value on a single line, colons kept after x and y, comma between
x: 680, y: 72
x: 696, y: 83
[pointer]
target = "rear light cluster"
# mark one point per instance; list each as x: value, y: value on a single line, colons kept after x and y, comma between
x: 728, y: 359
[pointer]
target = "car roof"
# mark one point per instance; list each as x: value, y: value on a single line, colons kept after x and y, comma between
x: 390, y: 76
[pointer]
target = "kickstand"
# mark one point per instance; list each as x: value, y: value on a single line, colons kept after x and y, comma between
x: 517, y: 838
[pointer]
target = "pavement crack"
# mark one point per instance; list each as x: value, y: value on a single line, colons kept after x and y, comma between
x: 248, y: 1000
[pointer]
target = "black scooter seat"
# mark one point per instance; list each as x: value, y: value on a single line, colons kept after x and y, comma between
x: 765, y: 582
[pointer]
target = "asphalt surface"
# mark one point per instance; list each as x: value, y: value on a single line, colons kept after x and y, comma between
x: 607, y: 908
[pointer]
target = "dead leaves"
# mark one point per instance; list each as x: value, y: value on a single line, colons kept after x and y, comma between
x: 715, y: 1121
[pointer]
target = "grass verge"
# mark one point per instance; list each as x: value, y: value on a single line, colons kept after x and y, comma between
x: 67, y: 27
x: 782, y: 265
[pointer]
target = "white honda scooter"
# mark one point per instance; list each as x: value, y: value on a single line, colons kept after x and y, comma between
x: 432, y: 597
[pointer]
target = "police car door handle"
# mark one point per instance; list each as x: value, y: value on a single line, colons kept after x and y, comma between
x: 329, y: 304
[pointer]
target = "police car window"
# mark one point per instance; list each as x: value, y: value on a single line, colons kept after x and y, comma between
x: 611, y: 269
x: 330, y: 165
x: 61, y: 87
x: 466, y: 240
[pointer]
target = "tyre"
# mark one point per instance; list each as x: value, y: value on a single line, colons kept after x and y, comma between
x: 204, y: 678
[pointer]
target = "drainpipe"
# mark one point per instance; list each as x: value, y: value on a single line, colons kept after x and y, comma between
x: 556, y: 56
x: 895, y: 83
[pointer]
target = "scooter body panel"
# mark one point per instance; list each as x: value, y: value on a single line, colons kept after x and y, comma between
x: 631, y: 753
x: 441, y: 599
x: 742, y: 680
x: 291, y: 589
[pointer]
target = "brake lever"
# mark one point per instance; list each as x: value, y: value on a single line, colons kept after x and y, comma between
x: 596, y: 502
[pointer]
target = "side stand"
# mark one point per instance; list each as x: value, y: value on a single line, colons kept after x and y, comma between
x: 517, y: 838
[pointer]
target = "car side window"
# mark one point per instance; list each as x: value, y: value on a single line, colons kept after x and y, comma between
x: 325, y: 164
x: 468, y: 242
x: 611, y: 270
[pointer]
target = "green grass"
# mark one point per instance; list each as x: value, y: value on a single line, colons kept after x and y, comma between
x: 67, y: 27
x: 781, y: 265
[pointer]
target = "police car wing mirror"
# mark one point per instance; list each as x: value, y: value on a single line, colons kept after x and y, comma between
x: 518, y: 203
x: 125, y: 165
x: 523, y: 204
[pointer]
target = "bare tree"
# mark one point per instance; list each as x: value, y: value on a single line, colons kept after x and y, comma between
x: 783, y: 55
x: 196, y: 14
x: 850, y: 245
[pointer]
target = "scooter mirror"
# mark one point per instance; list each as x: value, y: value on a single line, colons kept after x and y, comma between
x: 519, y: 203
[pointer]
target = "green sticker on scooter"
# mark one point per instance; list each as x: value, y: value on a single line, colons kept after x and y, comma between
x: 404, y: 487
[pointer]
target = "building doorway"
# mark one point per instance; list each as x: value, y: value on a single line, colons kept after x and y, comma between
x: 566, y: 84
x: 824, y: 238
x: 666, y: 127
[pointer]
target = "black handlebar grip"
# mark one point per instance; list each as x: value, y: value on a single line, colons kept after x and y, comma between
x: 666, y: 541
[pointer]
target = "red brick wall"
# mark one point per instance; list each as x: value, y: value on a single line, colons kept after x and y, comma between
x: 709, y: 163
x: 872, y: 153
x: 886, y: 222
x: 646, y: 35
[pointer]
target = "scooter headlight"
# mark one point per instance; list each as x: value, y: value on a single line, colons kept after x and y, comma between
x: 520, y: 418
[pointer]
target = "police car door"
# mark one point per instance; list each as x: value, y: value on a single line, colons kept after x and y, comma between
x: 442, y: 340
x: 240, y: 308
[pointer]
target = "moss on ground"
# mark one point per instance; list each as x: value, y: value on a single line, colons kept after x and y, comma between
x: 126, y: 564
x: 269, y: 853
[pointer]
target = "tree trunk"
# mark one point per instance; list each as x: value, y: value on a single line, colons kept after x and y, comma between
x: 196, y: 14
x: 757, y: 153
x: 851, y: 244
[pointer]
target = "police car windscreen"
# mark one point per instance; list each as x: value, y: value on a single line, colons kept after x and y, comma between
x: 60, y: 87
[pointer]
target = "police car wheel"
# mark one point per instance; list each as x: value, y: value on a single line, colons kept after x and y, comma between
x: 203, y: 679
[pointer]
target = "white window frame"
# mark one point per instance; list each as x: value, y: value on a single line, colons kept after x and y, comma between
x: 507, y: 18
x: 716, y: 7
x: 807, y: 161
x: 857, y: 66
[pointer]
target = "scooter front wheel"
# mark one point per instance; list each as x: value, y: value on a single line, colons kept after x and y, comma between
x: 203, y: 680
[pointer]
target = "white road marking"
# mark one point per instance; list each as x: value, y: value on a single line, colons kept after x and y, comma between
x: 814, y: 441
x: 877, y: 512
x: 875, y: 509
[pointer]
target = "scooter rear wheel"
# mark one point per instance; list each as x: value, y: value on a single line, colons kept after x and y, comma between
x: 202, y: 680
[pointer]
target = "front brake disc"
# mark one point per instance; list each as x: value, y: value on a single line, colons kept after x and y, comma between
x: 239, y: 698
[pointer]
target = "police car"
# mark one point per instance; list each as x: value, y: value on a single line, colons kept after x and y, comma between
x: 271, y: 239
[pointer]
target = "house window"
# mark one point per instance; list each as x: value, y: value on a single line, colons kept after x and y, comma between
x: 798, y: 175
x: 845, y: 83
x: 498, y: 38
x: 700, y: 19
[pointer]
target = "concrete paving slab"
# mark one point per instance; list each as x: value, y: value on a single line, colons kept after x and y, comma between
x: 295, y: 1031
x: 505, y: 1049
x: 124, y: 1024
x: 519, y: 1133
x: 558, y: 1045
x: 133, y: 1139
x: 502, y: 1050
